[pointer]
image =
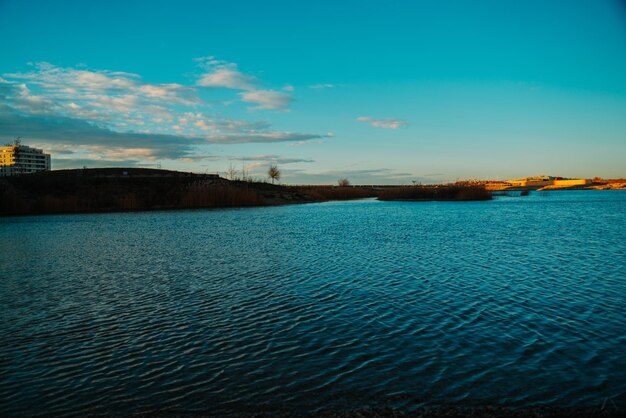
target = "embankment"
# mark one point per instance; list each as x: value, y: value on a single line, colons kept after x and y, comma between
x: 135, y: 189
x: 110, y: 190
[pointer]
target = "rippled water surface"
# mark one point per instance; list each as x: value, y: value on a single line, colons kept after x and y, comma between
x: 520, y: 300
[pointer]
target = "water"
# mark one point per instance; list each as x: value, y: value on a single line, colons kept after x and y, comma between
x: 339, y: 305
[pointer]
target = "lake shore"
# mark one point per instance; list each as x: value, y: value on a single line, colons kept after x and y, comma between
x: 134, y: 189
x: 114, y: 190
x: 138, y: 189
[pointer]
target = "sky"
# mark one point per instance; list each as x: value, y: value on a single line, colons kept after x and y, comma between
x: 378, y: 92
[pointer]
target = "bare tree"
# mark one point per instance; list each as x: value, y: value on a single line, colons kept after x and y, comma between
x: 343, y: 182
x: 274, y: 173
x: 231, y: 173
x: 245, y: 174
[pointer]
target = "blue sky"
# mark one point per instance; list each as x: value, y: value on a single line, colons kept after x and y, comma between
x: 378, y: 92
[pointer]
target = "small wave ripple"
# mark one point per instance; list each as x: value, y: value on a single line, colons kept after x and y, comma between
x: 516, y: 301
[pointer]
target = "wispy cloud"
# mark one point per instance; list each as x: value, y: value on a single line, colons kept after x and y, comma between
x: 67, y: 84
x: 267, y: 99
x: 382, y: 123
x: 263, y: 137
x: 272, y: 158
x: 322, y: 86
x: 356, y: 176
x: 57, y: 130
x: 116, y: 116
x: 101, y: 97
x: 65, y: 130
x: 224, y: 74
x: 301, y: 143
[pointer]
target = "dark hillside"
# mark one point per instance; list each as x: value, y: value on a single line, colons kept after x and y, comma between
x: 137, y: 189
x: 106, y: 190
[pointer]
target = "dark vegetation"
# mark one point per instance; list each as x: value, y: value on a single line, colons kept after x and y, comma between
x: 109, y: 190
x: 134, y: 189
x: 323, y: 193
x: 447, y: 192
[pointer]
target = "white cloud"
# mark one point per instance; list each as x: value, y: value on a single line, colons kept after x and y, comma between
x: 115, y: 115
x: 223, y: 74
x: 301, y: 143
x: 98, y: 95
x: 63, y: 83
x: 272, y: 158
x: 226, y: 74
x: 226, y: 77
x: 262, y: 137
x: 201, y: 124
x: 267, y: 99
x: 119, y: 104
x: 322, y: 86
x: 98, y: 81
x: 382, y: 123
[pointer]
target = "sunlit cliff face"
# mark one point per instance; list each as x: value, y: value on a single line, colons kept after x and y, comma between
x: 7, y: 156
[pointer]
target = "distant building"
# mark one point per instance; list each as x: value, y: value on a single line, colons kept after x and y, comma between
x: 21, y: 159
x: 536, y: 181
x: 572, y: 182
x: 543, y: 181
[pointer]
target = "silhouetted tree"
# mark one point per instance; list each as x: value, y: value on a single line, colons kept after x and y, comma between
x: 231, y: 173
x: 274, y: 173
x: 245, y: 175
x: 343, y: 182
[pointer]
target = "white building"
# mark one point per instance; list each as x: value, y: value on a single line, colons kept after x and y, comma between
x: 21, y: 159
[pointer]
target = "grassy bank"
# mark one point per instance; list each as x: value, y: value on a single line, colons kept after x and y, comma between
x: 126, y: 189
x: 110, y: 190
x: 323, y: 193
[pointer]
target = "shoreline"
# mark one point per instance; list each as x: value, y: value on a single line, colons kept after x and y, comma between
x: 113, y: 190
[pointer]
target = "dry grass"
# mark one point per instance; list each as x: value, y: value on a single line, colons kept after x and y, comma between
x: 54, y: 193
x: 322, y: 193
x: 106, y: 190
x: 206, y: 195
